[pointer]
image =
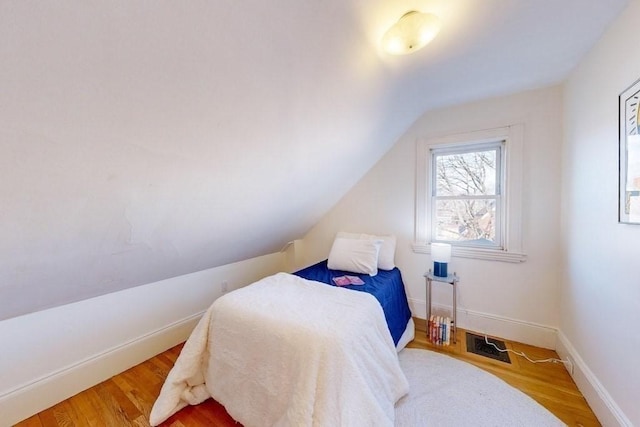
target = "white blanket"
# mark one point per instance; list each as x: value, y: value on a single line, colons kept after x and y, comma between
x: 286, y: 351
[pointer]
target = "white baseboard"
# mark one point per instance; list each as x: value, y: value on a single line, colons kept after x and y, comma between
x: 495, y: 325
x: 42, y: 393
x: 601, y: 402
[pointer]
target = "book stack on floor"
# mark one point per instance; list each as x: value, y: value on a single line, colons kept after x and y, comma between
x: 439, y: 330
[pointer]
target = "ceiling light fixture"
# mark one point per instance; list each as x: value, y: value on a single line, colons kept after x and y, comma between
x: 411, y: 33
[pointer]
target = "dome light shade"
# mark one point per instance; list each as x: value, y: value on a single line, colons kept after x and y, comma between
x: 411, y: 33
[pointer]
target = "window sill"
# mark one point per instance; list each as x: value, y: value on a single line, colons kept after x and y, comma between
x: 475, y: 253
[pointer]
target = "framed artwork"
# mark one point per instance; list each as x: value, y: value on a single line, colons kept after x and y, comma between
x: 629, y: 179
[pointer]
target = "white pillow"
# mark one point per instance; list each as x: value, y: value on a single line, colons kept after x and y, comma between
x: 386, y: 256
x: 355, y: 255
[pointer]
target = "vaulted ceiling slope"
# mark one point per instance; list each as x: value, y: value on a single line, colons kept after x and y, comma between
x: 145, y: 140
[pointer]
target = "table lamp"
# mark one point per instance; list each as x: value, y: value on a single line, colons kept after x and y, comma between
x: 441, y: 255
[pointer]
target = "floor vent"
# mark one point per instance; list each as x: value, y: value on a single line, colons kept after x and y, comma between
x: 477, y: 345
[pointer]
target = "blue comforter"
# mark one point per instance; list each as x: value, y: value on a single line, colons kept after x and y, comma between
x: 386, y: 286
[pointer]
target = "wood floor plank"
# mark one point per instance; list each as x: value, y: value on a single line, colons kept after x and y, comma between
x: 127, y: 398
x: 135, y: 385
x: 33, y: 421
x: 120, y: 400
x: 141, y: 421
x: 116, y: 412
x: 84, y: 414
x: 99, y: 401
x: 66, y: 415
x: 48, y: 418
x: 129, y: 392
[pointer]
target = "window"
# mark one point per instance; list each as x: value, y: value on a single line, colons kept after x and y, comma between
x: 468, y: 194
x: 465, y: 195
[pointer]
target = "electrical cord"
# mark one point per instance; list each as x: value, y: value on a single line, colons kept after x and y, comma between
x: 521, y: 354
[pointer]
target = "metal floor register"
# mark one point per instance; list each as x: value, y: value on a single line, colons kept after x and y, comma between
x: 477, y: 345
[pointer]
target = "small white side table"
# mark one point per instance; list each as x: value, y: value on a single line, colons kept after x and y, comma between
x: 451, y: 279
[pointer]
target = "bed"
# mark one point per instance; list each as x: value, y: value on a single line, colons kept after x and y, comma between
x: 296, y: 350
x: 386, y: 286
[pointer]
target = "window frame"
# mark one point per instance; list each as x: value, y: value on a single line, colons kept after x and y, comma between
x: 510, y: 248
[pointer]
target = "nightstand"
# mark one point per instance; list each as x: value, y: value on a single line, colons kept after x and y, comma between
x: 451, y: 279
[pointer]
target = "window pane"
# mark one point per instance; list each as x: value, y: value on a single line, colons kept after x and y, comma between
x: 470, y: 174
x: 471, y: 221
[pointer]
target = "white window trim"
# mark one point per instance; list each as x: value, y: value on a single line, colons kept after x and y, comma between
x: 513, y: 136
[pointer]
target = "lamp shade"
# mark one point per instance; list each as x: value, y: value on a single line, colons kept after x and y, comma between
x: 441, y: 252
x: 412, y: 32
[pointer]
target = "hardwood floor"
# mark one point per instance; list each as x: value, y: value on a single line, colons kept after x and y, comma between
x: 127, y: 398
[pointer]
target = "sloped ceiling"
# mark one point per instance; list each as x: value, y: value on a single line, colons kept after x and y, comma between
x: 144, y: 140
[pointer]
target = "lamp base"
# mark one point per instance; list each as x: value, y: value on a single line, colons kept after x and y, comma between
x: 440, y: 269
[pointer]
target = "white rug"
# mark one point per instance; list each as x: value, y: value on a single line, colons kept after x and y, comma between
x: 448, y: 392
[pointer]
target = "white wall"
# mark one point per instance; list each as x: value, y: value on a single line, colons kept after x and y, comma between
x: 600, y: 304
x: 138, y: 144
x: 517, y: 301
x: 53, y: 354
